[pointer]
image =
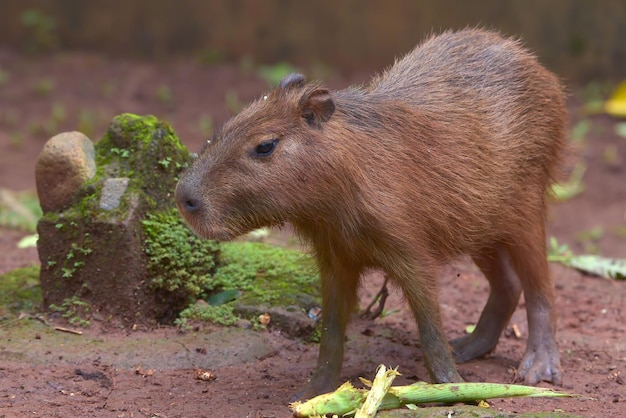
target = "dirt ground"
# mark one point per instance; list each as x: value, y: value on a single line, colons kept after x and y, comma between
x: 49, y: 373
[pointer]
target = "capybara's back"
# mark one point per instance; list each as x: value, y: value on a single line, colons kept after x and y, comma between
x: 448, y: 152
x: 497, y: 131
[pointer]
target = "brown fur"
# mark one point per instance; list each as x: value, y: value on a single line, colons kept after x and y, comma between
x: 448, y: 152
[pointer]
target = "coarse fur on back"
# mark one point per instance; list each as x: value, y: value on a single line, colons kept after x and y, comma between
x: 450, y: 151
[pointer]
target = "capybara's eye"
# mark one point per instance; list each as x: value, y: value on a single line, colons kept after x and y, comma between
x: 266, y: 148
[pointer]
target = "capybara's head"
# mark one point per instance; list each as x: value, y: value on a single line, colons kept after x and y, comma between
x: 264, y: 166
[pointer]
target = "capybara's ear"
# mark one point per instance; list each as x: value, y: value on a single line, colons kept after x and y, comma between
x: 291, y: 80
x: 316, y: 106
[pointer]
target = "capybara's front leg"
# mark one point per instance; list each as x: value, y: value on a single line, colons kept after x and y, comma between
x: 339, y: 290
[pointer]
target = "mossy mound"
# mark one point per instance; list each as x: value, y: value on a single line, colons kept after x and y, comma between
x: 255, y: 278
x: 94, y: 251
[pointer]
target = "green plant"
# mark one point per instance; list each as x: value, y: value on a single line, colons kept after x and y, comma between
x: 16, y: 138
x: 44, y: 86
x: 74, y: 310
x: 20, y: 290
x: 620, y: 129
x: 205, y: 124
x: 611, y: 156
x: 165, y: 96
x: 73, y: 260
x: 594, y: 94
x: 580, y: 130
x: 590, y: 239
x: 246, y: 64
x: 233, y: 103
x: 86, y: 122
x: 41, y: 27
x: 272, y: 74
x: 57, y: 116
x: 109, y: 88
x: 122, y: 152
x: 19, y: 210
x: 165, y: 162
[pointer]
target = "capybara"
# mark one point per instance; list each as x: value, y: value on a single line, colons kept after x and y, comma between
x: 448, y: 152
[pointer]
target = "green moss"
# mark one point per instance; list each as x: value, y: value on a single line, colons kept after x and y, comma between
x: 177, y: 259
x: 221, y: 315
x: 266, y: 274
x: 19, y: 290
x: 147, y: 152
x: 262, y: 275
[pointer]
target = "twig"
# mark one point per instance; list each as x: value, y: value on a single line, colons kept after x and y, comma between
x: 381, y: 298
x: 71, y: 331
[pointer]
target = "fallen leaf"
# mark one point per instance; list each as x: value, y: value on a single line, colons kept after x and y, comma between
x: 204, y: 375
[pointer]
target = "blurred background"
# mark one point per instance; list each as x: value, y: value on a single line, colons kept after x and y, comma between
x: 73, y: 64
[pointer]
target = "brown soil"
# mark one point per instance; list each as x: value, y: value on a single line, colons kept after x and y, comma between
x: 44, y: 372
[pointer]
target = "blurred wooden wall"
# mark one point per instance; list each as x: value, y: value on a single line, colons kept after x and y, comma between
x: 579, y: 39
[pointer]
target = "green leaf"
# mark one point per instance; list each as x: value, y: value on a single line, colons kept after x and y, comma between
x: 580, y: 130
x: 573, y: 186
x: 610, y: 268
x: 223, y: 297
x: 620, y: 129
x: 28, y: 241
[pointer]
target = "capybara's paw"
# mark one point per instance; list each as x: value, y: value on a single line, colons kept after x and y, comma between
x: 538, y: 366
x: 313, y: 389
x: 471, y: 346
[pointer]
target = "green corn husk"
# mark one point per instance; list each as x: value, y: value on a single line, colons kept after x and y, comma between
x: 346, y: 400
x: 379, y: 389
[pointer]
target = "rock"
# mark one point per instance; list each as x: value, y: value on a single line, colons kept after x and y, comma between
x: 66, y: 162
x: 112, y: 192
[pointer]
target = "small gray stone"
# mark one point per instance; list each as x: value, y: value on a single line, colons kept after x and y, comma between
x: 112, y: 192
x: 65, y: 163
x: 244, y: 324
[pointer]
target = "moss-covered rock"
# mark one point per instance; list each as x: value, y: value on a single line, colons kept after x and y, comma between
x: 95, y: 249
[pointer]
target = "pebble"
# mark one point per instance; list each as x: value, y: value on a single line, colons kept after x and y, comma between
x: 65, y: 163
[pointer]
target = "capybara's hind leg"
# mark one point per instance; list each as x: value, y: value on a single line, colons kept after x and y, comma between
x: 528, y: 258
x: 504, y: 293
x: 422, y: 298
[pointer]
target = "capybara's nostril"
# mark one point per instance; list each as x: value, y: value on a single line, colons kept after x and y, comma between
x: 191, y: 205
x: 185, y: 201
